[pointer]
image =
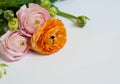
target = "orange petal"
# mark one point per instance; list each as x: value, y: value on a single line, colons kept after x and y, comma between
x: 49, y: 38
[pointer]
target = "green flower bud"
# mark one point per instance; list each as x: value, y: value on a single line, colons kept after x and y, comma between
x: 8, y: 14
x: 53, y: 11
x: 46, y: 4
x: 13, y: 24
x: 82, y: 20
x: 2, y: 70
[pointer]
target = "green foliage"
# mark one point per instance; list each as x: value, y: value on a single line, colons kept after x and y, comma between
x: 3, y: 23
x: 18, y: 3
x: 53, y: 1
x: 14, y: 3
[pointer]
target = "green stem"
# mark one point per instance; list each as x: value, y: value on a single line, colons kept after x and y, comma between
x: 80, y: 20
x: 66, y: 15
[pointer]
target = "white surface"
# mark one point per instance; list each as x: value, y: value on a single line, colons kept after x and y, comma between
x: 90, y: 56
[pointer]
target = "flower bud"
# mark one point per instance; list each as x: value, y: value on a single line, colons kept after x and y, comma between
x: 13, y: 24
x: 82, y: 20
x: 2, y: 70
x: 46, y: 4
x: 8, y: 14
x: 53, y: 11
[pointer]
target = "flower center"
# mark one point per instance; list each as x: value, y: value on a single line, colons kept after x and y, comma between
x: 36, y: 21
x: 52, y: 39
x: 22, y: 43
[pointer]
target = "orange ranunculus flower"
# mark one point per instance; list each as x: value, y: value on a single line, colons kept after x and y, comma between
x: 49, y: 38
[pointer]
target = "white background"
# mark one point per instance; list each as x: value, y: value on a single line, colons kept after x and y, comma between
x: 90, y: 56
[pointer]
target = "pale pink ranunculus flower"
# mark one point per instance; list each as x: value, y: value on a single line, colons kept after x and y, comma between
x: 31, y: 18
x: 13, y: 46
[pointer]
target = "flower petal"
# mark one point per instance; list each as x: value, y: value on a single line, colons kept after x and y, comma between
x: 49, y: 38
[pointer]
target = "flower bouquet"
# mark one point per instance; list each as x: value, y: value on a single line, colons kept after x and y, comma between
x: 31, y: 25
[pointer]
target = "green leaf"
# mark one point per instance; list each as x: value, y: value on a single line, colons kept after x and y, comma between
x: 14, y: 3
x: 53, y: 1
x: 3, y: 26
x: 37, y: 1
x: 3, y: 65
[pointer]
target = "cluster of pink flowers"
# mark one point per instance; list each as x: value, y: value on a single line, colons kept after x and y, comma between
x: 15, y: 44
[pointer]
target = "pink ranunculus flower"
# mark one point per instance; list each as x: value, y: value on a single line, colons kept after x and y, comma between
x: 13, y: 46
x: 31, y: 18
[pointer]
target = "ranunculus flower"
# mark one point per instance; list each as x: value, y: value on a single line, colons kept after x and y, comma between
x: 13, y: 45
x: 49, y: 38
x: 31, y: 18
